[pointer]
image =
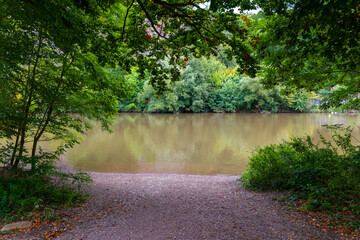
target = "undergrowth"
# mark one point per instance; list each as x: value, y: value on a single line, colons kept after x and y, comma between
x: 325, y: 176
x: 27, y: 195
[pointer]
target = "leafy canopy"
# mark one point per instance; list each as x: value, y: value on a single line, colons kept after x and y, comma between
x: 55, y: 58
x: 310, y: 44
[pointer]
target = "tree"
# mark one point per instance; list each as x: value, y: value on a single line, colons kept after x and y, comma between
x: 182, y: 28
x: 310, y: 44
x: 46, y: 75
x: 55, y: 58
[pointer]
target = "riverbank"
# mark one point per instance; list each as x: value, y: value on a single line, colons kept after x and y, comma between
x: 167, y: 206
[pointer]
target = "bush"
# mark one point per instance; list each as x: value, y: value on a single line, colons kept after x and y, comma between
x: 24, y: 191
x: 326, y: 175
x: 206, y: 85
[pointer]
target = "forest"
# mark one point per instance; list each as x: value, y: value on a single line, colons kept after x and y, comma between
x: 98, y: 57
x: 208, y: 85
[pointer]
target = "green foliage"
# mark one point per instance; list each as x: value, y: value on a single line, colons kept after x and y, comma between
x: 207, y: 85
x: 309, y: 44
x: 156, y: 31
x: 248, y: 94
x: 326, y: 175
x: 48, y: 73
x: 166, y: 102
x: 134, y: 85
x: 227, y: 98
x: 196, y: 85
x: 23, y: 192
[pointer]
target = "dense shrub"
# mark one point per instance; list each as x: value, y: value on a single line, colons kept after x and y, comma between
x: 23, y: 191
x: 326, y: 175
x: 207, y: 85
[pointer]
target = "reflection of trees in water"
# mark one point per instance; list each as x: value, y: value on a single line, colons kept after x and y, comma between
x: 189, y: 143
x: 100, y: 152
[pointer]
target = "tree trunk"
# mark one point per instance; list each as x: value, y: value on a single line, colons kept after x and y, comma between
x: 39, y: 134
x: 31, y: 79
x: 21, y: 150
x: 12, y: 159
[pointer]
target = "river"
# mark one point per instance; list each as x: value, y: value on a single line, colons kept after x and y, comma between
x: 205, y: 144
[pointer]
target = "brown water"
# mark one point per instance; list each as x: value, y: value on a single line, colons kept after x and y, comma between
x: 191, y: 143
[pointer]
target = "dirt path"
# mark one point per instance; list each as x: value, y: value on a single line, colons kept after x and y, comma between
x: 152, y: 206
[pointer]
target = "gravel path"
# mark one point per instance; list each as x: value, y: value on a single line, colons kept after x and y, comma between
x: 161, y: 206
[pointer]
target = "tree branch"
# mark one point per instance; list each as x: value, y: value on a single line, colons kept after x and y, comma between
x: 149, y: 18
x: 127, y: 12
x: 190, y: 3
x: 186, y: 17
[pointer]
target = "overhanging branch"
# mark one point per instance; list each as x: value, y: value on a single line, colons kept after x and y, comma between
x: 149, y: 18
x: 127, y: 12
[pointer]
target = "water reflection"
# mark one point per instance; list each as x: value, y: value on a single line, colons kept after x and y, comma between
x: 190, y: 143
